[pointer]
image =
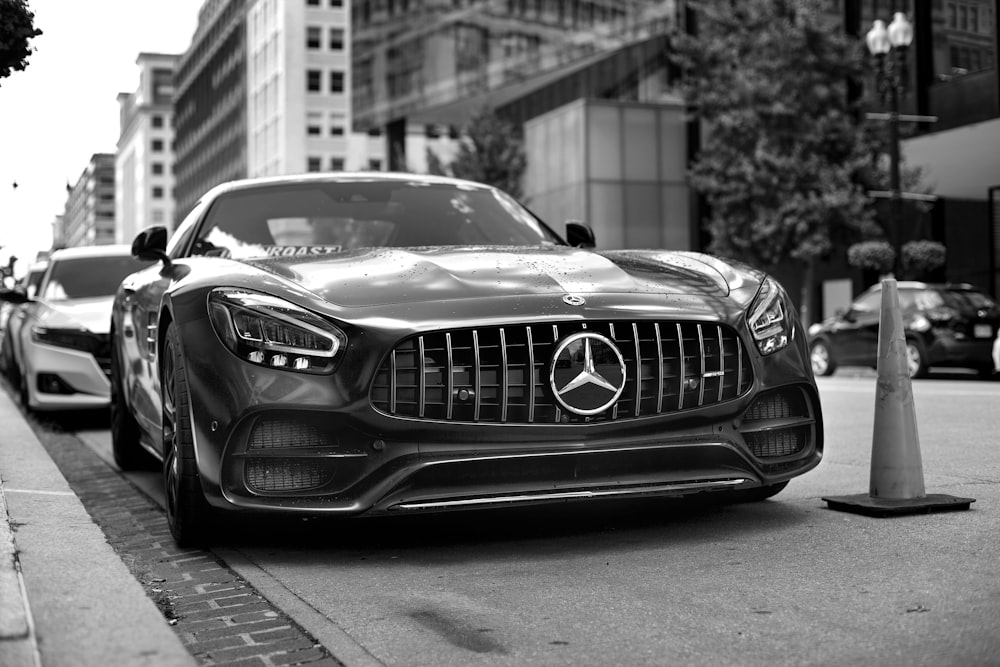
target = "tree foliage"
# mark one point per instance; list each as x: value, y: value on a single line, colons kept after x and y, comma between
x: 17, y: 27
x: 872, y: 255
x: 491, y: 151
x: 920, y: 258
x: 784, y: 157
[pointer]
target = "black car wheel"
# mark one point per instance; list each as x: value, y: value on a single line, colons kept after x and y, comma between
x: 22, y: 389
x: 128, y: 453
x: 188, y: 513
x: 916, y: 358
x: 821, y: 358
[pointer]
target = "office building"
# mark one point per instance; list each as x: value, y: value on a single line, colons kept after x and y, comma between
x: 89, y: 218
x: 144, y: 160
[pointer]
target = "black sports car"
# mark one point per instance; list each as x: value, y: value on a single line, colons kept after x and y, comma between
x: 350, y: 344
x: 946, y: 324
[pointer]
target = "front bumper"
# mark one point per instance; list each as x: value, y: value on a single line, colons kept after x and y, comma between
x: 81, y: 382
x: 269, y: 439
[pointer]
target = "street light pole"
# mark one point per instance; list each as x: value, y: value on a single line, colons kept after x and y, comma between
x: 888, y: 47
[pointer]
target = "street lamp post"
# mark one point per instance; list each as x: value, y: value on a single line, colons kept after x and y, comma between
x: 888, y: 46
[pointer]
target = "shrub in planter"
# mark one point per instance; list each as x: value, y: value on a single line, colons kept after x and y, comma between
x: 922, y: 257
x: 872, y: 256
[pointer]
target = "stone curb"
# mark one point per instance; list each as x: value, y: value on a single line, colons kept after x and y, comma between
x: 67, y: 598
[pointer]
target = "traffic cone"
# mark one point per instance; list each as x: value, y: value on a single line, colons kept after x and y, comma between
x: 897, y: 476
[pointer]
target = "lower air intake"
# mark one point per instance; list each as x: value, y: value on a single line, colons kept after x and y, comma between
x: 779, y: 424
x: 270, y: 475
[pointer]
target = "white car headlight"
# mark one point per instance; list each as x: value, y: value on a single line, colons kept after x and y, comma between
x: 768, y: 318
x: 268, y: 331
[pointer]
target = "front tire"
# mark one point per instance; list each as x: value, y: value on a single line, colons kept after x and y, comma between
x: 916, y: 358
x: 821, y: 358
x: 188, y: 514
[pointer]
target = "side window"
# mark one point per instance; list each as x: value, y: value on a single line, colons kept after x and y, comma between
x: 868, y: 303
x: 179, y: 242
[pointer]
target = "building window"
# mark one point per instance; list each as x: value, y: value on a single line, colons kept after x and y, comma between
x: 336, y: 3
x: 313, y: 130
x: 336, y: 82
x: 336, y: 39
x: 157, y: 192
x: 156, y: 120
x: 375, y: 164
x: 375, y: 132
x: 313, y: 80
x: 157, y: 145
x: 157, y: 168
x: 157, y: 215
x: 312, y: 3
x: 336, y: 164
x: 313, y: 37
x: 336, y: 130
x: 314, y: 164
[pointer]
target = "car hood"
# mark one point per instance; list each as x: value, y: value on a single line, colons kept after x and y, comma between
x: 388, y: 276
x: 94, y: 315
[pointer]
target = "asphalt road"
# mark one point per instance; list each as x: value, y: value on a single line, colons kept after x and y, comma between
x: 784, y: 582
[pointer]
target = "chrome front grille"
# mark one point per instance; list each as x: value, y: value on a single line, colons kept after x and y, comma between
x: 501, y: 374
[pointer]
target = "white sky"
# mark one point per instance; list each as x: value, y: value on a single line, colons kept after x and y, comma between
x: 63, y: 107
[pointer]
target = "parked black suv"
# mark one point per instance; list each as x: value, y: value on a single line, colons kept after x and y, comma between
x: 946, y: 325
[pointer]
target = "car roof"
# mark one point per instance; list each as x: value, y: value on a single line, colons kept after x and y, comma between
x: 343, y: 177
x: 916, y: 284
x: 116, y: 250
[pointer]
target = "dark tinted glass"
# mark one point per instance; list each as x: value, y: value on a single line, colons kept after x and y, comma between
x: 88, y: 277
x: 355, y: 214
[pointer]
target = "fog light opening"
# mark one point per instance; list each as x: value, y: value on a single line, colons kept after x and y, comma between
x: 50, y: 383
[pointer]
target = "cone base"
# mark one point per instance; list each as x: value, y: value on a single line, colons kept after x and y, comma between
x: 881, y: 507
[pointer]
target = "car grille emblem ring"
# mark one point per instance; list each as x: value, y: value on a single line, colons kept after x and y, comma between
x: 587, y: 374
x: 573, y: 300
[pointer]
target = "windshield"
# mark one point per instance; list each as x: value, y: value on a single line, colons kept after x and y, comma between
x: 322, y: 217
x: 87, y: 277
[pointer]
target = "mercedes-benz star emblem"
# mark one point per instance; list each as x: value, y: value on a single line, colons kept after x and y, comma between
x: 574, y: 300
x: 587, y: 373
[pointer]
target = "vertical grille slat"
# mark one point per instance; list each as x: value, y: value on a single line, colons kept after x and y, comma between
x: 659, y: 368
x: 701, y: 359
x: 530, y: 380
x: 722, y: 364
x: 392, y: 382
x: 501, y: 374
x: 683, y: 368
x: 477, y: 375
x: 638, y: 369
x: 421, y: 377
x: 450, y: 382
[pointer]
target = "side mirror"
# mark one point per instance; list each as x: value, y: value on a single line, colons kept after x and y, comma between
x: 151, y: 245
x: 580, y: 235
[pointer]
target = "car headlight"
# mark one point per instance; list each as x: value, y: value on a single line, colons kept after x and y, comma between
x: 768, y: 318
x: 920, y: 323
x: 268, y: 331
x: 72, y: 338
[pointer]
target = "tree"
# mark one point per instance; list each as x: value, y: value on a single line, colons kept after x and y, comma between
x: 17, y: 27
x: 782, y: 164
x: 490, y: 151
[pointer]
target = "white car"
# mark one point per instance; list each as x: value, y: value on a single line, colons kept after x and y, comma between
x: 60, y: 349
x: 996, y: 353
x: 11, y: 315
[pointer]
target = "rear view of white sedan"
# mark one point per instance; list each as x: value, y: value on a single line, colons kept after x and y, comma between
x: 61, y: 359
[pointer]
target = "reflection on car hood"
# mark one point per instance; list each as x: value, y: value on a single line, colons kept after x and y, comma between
x: 91, y: 314
x: 397, y: 275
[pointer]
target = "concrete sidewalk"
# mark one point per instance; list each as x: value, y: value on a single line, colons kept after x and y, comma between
x: 66, y: 598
